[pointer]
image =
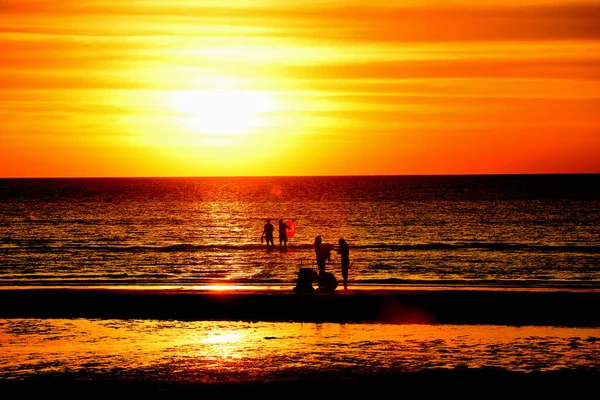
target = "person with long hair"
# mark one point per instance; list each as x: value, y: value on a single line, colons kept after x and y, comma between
x: 344, y: 252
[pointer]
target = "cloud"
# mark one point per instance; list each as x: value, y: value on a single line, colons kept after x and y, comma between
x: 318, y: 20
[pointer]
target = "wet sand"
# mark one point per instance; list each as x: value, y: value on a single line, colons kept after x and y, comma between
x: 450, y: 382
x: 394, y: 306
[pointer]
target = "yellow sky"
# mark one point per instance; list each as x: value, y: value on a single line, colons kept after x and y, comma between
x: 189, y: 88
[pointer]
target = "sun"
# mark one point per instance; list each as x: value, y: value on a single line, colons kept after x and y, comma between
x: 220, y: 111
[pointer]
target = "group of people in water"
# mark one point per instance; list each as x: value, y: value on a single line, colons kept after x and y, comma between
x: 322, y: 252
x: 269, y: 230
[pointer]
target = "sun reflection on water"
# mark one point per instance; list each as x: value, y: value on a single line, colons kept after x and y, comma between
x: 218, y: 350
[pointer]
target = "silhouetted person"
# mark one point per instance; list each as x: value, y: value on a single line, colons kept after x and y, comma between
x: 326, y: 280
x: 323, y: 256
x: 344, y: 253
x: 268, y: 233
x: 318, y: 247
x: 283, y: 228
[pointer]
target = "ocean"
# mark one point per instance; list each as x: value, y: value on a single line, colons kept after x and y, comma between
x: 450, y: 231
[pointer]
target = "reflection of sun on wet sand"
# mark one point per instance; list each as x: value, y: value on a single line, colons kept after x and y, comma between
x: 235, y: 352
x: 198, y: 340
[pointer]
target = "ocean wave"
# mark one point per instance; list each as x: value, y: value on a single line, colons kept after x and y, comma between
x: 49, y: 245
x: 495, y: 246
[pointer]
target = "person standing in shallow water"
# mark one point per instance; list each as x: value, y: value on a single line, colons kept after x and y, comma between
x: 318, y: 249
x: 344, y: 253
x: 323, y: 255
x: 283, y: 228
x: 268, y: 234
x: 325, y: 279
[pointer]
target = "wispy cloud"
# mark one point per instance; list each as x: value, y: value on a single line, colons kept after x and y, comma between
x: 421, y: 76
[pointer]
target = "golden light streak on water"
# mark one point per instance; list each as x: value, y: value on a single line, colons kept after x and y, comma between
x: 217, y: 350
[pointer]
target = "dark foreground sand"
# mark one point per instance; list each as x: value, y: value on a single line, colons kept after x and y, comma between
x: 402, y: 306
x: 451, y: 382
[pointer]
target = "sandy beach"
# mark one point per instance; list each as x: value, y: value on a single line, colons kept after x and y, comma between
x: 371, y: 304
x: 397, y: 307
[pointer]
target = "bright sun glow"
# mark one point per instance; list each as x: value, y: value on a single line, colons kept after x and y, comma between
x: 220, y: 111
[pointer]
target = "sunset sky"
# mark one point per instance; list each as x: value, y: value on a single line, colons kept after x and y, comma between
x: 269, y: 87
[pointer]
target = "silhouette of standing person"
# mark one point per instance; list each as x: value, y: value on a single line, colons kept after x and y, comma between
x: 322, y: 258
x: 323, y: 255
x: 268, y: 234
x: 283, y: 228
x: 344, y: 253
x: 318, y: 248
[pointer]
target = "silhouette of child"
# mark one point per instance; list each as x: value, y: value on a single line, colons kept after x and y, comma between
x: 318, y: 247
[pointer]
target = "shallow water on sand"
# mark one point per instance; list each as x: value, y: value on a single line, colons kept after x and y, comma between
x: 215, y: 351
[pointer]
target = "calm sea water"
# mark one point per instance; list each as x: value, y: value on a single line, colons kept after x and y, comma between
x: 517, y: 230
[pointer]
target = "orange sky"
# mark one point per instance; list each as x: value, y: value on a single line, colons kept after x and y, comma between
x: 188, y: 88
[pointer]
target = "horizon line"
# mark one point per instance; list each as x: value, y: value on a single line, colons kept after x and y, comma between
x: 301, y: 176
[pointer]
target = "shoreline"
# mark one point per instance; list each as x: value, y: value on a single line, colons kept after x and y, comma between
x: 287, y: 287
x: 376, y: 304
